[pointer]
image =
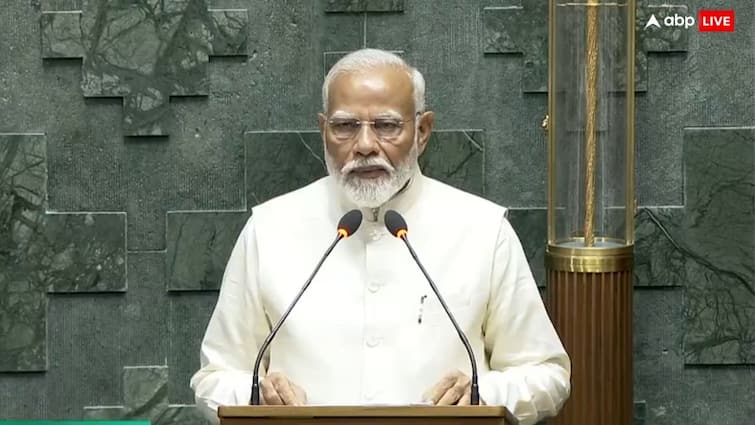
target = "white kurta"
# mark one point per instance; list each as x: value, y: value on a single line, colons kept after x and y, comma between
x: 369, y: 329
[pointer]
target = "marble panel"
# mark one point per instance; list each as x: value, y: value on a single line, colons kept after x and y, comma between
x: 41, y: 252
x: 718, y: 226
x: 279, y: 162
x: 199, y: 245
x: 356, y: 6
x: 520, y: 29
x: 531, y: 226
x: 456, y: 157
x: 145, y: 52
x: 146, y: 397
x: 659, y: 258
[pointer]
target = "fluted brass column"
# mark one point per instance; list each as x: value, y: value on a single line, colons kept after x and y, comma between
x: 589, y: 256
x: 592, y: 312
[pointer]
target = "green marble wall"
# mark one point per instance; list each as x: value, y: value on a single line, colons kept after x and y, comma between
x: 135, y: 137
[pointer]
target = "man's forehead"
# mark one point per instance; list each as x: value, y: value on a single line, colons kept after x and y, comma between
x: 387, y: 88
x: 377, y: 113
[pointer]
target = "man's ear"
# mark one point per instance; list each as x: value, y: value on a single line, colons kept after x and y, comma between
x: 424, y: 129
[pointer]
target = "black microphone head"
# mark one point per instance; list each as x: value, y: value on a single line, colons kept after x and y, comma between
x: 349, y: 223
x: 395, y: 224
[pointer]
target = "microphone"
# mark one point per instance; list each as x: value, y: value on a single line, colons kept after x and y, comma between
x: 398, y: 228
x: 346, y: 227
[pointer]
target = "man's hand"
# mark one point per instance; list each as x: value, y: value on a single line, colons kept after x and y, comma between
x: 276, y: 389
x: 453, y: 389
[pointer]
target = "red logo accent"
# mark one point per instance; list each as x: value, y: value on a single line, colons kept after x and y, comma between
x: 715, y: 21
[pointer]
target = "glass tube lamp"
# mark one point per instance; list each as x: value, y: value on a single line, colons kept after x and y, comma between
x: 591, y: 204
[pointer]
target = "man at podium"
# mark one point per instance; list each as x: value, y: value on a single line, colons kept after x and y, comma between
x: 369, y: 329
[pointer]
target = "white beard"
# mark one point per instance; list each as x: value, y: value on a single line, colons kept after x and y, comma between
x: 373, y: 193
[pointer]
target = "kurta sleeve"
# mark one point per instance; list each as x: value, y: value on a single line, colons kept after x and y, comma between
x: 530, y: 370
x: 237, y: 327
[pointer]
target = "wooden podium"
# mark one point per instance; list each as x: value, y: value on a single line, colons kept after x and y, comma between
x: 367, y: 415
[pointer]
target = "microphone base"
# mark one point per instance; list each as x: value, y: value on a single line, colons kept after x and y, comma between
x: 475, y: 396
x: 255, y: 399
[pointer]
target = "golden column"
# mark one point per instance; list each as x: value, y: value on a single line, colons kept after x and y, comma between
x: 591, y: 202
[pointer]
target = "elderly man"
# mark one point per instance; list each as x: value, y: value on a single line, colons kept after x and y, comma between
x: 369, y: 330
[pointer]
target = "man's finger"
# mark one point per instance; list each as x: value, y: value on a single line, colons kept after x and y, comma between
x: 286, y: 393
x: 466, y: 380
x: 275, y: 379
x: 452, y: 395
x: 466, y: 399
x: 437, y: 391
x: 269, y: 394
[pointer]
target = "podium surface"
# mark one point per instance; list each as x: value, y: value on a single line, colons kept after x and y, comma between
x: 367, y: 415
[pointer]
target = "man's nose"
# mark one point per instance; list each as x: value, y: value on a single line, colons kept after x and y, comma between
x: 367, y: 140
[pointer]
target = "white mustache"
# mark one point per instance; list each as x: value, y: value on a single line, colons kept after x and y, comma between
x: 367, y: 162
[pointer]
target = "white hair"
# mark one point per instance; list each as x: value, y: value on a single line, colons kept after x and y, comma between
x: 369, y: 59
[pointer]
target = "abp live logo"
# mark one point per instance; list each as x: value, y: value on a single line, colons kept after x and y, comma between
x: 708, y: 21
x: 715, y: 21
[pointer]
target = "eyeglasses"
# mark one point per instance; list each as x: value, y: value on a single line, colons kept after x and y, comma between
x: 347, y: 129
